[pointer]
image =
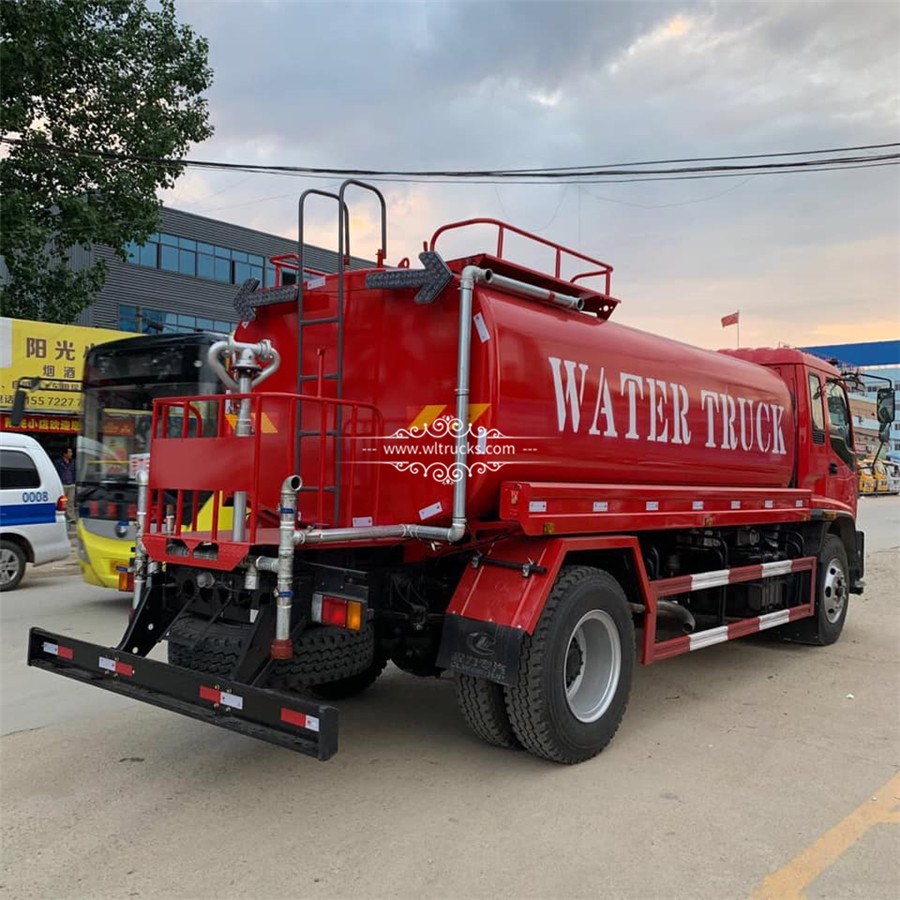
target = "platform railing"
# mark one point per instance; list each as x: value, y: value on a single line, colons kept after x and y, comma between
x: 598, y: 268
x: 197, y: 458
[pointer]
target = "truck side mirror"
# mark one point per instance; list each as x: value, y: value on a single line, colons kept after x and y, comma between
x: 885, y: 406
x: 18, y: 408
x: 884, y: 432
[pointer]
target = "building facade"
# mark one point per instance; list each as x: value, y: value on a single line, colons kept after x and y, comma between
x: 186, y: 275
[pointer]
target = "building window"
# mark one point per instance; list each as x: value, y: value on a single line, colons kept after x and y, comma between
x: 144, y: 320
x: 195, y: 259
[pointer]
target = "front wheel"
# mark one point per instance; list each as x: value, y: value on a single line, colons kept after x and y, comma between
x: 576, y: 669
x: 832, y: 596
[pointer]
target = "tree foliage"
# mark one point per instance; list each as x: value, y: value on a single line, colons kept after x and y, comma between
x: 85, y: 76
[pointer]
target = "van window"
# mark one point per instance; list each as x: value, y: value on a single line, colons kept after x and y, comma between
x: 17, y: 470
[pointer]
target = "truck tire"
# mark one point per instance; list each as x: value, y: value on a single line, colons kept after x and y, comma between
x: 832, y: 596
x: 575, y: 671
x: 323, y: 655
x: 12, y: 565
x: 353, y: 684
x: 483, y: 705
x: 195, y: 644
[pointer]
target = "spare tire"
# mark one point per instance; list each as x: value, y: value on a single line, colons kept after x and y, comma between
x: 322, y: 654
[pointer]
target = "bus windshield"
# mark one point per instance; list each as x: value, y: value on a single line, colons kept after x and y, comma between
x: 121, y: 381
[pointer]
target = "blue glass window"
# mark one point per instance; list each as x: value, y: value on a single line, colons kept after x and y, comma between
x: 187, y: 243
x: 206, y: 324
x: 169, y: 239
x: 128, y: 318
x: 224, y: 252
x: 187, y: 262
x: 257, y: 273
x: 206, y: 248
x: 254, y: 260
x: 239, y: 255
x: 168, y: 258
x: 241, y: 272
x: 223, y: 326
x: 270, y: 276
x: 223, y: 270
x: 149, y: 254
x: 205, y: 265
x: 133, y: 250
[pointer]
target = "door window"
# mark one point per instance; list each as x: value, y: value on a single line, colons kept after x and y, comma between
x: 839, y: 415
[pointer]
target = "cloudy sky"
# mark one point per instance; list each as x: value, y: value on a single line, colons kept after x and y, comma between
x: 808, y: 258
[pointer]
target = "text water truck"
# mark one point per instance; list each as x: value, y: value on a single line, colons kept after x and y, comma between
x: 471, y: 466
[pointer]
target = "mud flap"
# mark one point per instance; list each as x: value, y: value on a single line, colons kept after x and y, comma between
x: 297, y: 724
x: 481, y: 649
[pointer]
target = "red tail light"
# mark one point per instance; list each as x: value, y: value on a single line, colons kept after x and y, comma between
x: 61, y: 504
x: 338, y: 611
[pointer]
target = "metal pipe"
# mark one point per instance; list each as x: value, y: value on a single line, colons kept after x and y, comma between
x: 242, y: 428
x: 140, y: 553
x: 282, y: 646
x: 672, y: 610
x: 533, y: 292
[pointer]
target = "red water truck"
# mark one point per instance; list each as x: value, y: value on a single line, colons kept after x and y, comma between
x: 470, y: 468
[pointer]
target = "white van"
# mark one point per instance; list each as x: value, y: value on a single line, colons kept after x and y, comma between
x: 32, y: 508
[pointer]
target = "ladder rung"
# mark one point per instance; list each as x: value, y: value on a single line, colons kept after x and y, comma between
x: 331, y: 376
x: 331, y: 432
x: 309, y: 488
x: 327, y: 320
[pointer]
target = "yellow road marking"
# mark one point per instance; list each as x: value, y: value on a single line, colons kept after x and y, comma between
x: 789, y: 882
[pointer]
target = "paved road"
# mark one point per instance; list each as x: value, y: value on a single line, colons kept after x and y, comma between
x: 745, y: 769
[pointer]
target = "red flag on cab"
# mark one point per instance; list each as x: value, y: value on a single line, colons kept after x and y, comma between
x: 733, y: 319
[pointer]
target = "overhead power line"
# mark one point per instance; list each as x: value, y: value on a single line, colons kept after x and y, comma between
x: 642, y: 171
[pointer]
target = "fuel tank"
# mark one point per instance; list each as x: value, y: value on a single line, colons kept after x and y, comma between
x: 556, y: 395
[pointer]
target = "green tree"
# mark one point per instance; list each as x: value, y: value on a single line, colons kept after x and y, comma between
x: 78, y: 77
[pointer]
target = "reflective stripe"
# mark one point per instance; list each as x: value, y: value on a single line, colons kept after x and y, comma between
x: 784, y: 567
x: 709, y: 637
x: 709, y: 579
x: 771, y: 620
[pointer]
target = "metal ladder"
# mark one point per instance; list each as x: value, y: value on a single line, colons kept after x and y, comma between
x: 336, y: 320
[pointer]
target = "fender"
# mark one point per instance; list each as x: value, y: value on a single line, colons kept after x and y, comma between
x: 501, y: 596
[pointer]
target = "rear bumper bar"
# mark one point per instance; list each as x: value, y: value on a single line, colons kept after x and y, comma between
x: 290, y: 722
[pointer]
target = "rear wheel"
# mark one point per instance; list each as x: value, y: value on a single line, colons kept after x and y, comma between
x: 12, y: 565
x: 575, y: 670
x: 483, y: 705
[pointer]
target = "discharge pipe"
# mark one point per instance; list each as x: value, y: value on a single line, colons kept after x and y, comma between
x: 140, y: 553
x: 282, y: 646
x: 247, y: 363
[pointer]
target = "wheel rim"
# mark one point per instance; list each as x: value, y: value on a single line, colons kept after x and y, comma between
x: 9, y: 566
x: 834, y: 590
x: 592, y: 666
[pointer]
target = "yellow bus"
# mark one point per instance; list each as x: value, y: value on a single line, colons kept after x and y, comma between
x: 121, y: 380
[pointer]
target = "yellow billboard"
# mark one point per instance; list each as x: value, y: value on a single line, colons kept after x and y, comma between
x: 49, y: 352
